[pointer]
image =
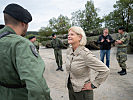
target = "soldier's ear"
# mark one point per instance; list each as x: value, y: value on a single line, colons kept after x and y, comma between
x: 24, y: 25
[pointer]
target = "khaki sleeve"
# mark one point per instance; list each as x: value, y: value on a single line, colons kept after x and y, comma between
x: 97, y: 65
x: 30, y: 68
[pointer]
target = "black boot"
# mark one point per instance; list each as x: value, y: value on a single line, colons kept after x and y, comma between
x: 124, y: 72
x: 120, y: 71
x: 61, y: 68
x: 58, y: 68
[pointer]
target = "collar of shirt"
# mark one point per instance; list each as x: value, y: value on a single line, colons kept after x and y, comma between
x: 123, y: 34
x: 7, y: 28
x: 77, y: 51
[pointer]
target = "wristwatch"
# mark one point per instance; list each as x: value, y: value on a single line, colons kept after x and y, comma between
x: 92, y: 86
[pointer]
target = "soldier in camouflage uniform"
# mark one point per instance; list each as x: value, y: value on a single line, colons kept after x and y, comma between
x: 57, y: 45
x: 35, y: 42
x: 121, y: 55
x: 22, y: 68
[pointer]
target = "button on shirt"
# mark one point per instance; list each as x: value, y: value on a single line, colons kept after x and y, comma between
x: 78, y: 65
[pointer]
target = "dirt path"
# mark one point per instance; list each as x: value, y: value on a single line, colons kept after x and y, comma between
x: 116, y: 87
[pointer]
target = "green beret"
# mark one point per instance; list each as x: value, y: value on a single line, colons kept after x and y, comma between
x: 18, y: 12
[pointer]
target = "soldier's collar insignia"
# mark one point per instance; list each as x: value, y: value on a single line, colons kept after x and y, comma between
x: 34, y: 50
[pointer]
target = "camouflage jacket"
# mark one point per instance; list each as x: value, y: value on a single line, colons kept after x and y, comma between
x: 21, y: 65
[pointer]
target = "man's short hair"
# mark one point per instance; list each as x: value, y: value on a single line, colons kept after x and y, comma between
x: 105, y: 29
x: 122, y: 28
x: 10, y: 20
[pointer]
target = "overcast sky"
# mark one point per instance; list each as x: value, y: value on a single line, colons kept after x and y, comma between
x: 43, y: 10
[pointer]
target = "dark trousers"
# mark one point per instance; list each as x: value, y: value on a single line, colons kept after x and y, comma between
x: 82, y: 95
x: 58, y: 57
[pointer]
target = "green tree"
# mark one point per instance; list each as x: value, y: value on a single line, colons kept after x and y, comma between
x: 88, y: 19
x: 77, y: 18
x: 121, y: 16
x: 45, y: 31
x: 60, y: 25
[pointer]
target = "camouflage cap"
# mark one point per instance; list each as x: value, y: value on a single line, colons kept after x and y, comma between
x: 18, y: 12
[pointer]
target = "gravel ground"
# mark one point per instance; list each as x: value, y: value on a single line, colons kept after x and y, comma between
x: 116, y: 87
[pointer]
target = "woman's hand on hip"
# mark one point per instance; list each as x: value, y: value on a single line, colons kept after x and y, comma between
x: 87, y: 86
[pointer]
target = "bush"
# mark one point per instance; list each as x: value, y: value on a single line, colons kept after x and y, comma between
x: 131, y: 39
x: 44, y: 39
x: 130, y: 46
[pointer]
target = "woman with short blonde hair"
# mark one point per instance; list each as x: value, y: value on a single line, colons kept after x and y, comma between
x: 79, y: 31
x: 79, y: 61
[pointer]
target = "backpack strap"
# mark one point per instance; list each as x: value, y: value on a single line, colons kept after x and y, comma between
x: 5, y: 34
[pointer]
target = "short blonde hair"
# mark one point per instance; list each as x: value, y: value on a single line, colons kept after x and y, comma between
x: 79, y: 31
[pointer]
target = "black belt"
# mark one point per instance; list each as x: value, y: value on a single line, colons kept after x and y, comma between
x: 15, y: 86
x: 123, y: 47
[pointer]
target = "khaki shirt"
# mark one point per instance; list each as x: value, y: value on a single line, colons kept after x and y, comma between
x: 78, y: 65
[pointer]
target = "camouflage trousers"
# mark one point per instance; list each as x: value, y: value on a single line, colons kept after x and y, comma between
x: 121, y: 57
x: 58, y: 57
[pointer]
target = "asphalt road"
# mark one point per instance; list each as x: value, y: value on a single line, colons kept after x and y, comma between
x: 116, y: 87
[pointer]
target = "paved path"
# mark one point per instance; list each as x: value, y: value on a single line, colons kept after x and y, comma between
x: 116, y: 87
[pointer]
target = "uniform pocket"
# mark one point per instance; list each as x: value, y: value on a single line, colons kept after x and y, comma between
x: 123, y: 58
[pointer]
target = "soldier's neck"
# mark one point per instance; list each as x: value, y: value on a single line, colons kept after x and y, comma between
x: 16, y: 29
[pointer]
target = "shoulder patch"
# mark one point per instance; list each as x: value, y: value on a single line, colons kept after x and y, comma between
x: 34, y: 50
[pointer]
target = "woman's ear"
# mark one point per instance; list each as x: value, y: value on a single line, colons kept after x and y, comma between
x: 80, y: 36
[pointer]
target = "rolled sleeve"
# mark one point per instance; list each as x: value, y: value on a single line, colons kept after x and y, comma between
x: 123, y: 39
